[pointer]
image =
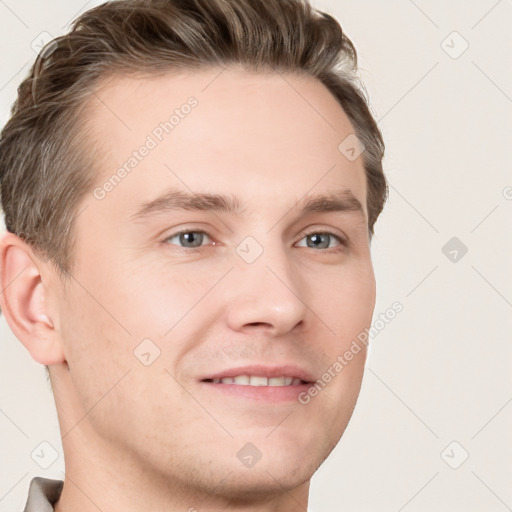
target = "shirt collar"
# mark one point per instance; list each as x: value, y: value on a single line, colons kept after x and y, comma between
x: 43, y: 493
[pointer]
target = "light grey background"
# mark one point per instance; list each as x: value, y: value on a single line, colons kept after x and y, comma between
x: 440, y: 371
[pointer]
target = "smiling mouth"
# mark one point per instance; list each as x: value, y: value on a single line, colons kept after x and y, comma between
x: 257, y: 380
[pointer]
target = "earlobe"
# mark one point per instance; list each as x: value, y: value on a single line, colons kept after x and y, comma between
x: 23, y: 301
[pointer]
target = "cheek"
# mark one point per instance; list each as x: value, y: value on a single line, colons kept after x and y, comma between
x: 347, y: 310
x: 131, y: 302
x: 347, y: 300
x: 95, y: 331
x: 156, y: 294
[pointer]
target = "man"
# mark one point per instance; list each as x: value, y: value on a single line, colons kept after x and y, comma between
x: 190, y: 190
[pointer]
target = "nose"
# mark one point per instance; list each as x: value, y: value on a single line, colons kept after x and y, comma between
x: 267, y: 295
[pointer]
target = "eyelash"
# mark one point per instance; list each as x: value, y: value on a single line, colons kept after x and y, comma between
x: 342, y: 243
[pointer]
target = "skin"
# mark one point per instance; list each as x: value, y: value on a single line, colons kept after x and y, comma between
x: 154, y: 437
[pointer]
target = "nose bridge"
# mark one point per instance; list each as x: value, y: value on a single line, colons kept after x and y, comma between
x: 268, y: 290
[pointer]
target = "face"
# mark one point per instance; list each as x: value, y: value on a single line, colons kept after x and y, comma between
x: 176, y: 286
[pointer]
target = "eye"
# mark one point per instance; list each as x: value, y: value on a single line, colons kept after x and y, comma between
x: 320, y: 240
x: 188, y: 239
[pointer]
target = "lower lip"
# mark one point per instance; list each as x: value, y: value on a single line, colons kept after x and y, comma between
x: 260, y: 393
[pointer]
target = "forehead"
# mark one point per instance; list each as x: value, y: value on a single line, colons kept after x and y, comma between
x: 254, y: 134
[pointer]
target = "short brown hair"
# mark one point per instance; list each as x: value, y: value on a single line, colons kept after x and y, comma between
x: 45, y: 169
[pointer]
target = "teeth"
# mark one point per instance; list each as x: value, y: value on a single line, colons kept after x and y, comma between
x: 257, y: 380
x: 242, y: 379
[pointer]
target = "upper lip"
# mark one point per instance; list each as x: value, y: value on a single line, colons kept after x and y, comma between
x: 287, y: 370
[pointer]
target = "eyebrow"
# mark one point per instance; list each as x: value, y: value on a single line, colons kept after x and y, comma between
x: 339, y: 201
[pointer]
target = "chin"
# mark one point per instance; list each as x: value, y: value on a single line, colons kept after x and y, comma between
x: 247, y: 485
x: 286, y: 462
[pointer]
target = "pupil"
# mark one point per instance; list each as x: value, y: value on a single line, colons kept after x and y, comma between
x: 317, y: 238
x: 187, y: 238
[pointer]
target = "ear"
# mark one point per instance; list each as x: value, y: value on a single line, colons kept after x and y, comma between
x: 23, y: 300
